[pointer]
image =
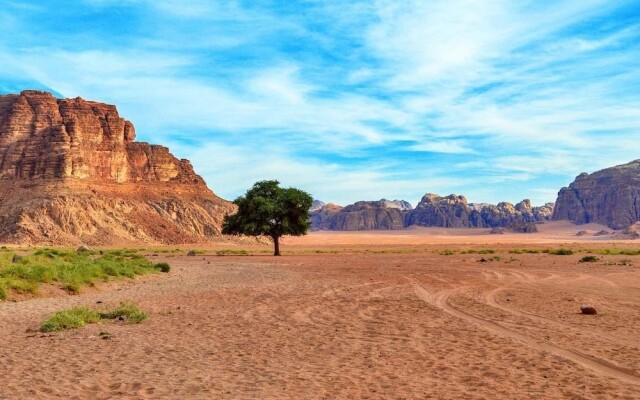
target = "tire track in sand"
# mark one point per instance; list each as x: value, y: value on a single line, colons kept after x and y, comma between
x: 441, y: 300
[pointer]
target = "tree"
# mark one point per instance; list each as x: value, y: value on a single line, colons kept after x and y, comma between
x: 269, y: 210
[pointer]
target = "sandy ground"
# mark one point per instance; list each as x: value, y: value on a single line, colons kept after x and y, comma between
x: 350, y: 316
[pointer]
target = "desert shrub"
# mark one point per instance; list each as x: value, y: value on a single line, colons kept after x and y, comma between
x: 446, y: 252
x: 128, y: 311
x: 162, y: 267
x: 560, y: 252
x: 589, y: 259
x: 70, y: 319
x: 80, y: 316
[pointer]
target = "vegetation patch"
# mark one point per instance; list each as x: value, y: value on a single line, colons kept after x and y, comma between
x: 232, y: 252
x: 589, y: 259
x: 615, y: 252
x: 69, y: 269
x: 80, y: 316
x: 559, y: 252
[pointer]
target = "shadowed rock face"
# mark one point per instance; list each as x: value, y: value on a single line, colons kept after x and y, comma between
x: 71, y: 172
x: 610, y: 197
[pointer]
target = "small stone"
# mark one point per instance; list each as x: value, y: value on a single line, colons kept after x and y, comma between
x: 84, y: 249
x: 588, y: 310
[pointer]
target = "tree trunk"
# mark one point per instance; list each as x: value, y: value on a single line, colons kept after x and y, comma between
x: 276, y: 245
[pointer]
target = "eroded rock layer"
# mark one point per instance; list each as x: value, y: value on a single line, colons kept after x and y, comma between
x: 610, y: 197
x: 71, y: 172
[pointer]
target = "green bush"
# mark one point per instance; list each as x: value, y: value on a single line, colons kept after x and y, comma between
x: 70, y: 319
x: 128, y: 311
x: 560, y: 252
x: 589, y: 259
x: 162, y: 267
x: 80, y: 316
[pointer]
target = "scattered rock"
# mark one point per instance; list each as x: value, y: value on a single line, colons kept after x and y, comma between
x: 582, y: 233
x: 497, y: 231
x: 588, y: 310
x: 602, y: 233
x: 84, y: 249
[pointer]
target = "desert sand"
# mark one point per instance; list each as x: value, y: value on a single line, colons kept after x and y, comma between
x: 349, y: 315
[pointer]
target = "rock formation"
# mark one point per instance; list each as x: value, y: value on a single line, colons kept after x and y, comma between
x: 452, y: 211
x: 610, y: 197
x: 71, y: 172
x: 361, y: 216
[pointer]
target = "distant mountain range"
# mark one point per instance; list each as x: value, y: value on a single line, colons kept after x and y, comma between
x: 610, y: 197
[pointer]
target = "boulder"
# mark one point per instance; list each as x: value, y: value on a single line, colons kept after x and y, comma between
x: 588, y: 310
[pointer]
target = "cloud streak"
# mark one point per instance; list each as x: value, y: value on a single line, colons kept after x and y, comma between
x: 498, y: 100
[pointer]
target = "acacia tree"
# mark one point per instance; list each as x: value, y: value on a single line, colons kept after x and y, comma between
x: 269, y: 210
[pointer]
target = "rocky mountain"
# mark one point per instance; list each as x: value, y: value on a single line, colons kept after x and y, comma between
x: 71, y: 172
x: 316, y: 205
x: 451, y: 211
x: 361, y: 216
x: 610, y: 196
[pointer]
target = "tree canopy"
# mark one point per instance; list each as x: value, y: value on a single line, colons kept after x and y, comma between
x: 269, y: 210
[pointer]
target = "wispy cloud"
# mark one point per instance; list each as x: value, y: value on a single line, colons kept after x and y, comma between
x: 497, y: 99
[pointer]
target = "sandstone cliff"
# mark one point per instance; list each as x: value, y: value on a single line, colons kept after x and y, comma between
x: 71, y: 172
x: 610, y: 197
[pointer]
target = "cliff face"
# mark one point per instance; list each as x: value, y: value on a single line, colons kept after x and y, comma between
x: 610, y: 197
x: 451, y: 211
x: 71, y: 172
x: 42, y: 137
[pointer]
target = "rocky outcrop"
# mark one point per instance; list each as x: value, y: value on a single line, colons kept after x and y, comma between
x: 451, y: 211
x: 71, y: 172
x: 610, y: 197
x: 361, y: 216
x: 316, y: 205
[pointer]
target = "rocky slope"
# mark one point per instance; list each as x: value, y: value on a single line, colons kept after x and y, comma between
x: 70, y: 172
x: 610, y: 197
x: 451, y: 211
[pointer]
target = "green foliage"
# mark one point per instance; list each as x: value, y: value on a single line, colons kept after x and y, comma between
x: 162, y: 267
x: 232, y: 252
x: 269, y: 210
x: 129, y: 311
x: 69, y: 269
x: 80, y: 316
x: 626, y: 252
x: 70, y: 319
x: 559, y: 252
x: 589, y: 259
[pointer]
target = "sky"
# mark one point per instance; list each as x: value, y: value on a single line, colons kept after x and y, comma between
x: 498, y: 100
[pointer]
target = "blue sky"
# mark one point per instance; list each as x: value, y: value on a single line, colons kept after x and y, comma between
x: 498, y: 100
